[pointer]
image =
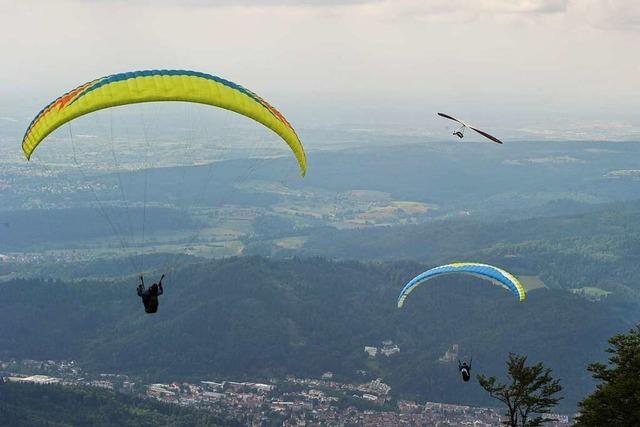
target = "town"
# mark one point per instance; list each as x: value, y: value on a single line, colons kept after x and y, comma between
x: 289, y: 402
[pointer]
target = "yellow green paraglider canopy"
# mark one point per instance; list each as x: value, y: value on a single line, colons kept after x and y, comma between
x: 160, y: 85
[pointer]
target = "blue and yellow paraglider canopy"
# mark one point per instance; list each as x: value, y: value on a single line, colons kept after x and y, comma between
x: 494, y: 274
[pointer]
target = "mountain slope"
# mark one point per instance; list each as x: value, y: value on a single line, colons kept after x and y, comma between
x: 254, y: 318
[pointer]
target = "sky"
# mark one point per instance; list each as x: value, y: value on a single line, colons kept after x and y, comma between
x: 534, y: 63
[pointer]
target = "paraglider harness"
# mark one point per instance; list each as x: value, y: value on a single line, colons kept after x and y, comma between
x: 465, y: 370
x: 150, y: 296
x: 460, y: 132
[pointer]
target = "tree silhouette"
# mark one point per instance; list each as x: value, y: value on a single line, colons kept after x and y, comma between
x: 531, y: 393
x: 616, y: 400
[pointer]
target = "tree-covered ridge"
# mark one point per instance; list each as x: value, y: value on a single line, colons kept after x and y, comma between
x: 592, y: 249
x: 251, y: 318
x: 32, y: 405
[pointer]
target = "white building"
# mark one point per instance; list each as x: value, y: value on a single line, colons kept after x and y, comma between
x: 451, y: 355
x: 261, y: 387
x: 371, y: 351
x: 379, y: 387
x: 34, y: 379
x: 389, y: 350
x: 327, y: 375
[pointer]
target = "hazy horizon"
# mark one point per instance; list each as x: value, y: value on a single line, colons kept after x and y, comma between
x: 529, y: 69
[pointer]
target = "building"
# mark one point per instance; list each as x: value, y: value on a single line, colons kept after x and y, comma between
x: 34, y: 379
x: 407, y: 406
x: 160, y: 391
x: 377, y: 386
x: 557, y: 418
x: 233, y: 386
x: 327, y: 375
x: 263, y: 388
x: 371, y: 351
x: 211, y: 395
x: 389, y: 350
x: 451, y: 355
x: 212, y: 385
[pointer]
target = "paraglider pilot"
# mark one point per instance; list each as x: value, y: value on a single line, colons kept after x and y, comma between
x: 465, y: 370
x: 150, y: 296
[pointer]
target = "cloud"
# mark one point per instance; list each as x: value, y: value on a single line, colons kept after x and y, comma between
x: 533, y: 61
x: 426, y: 7
x: 609, y: 14
x: 601, y: 14
x: 244, y: 3
x: 522, y: 6
x: 296, y: 2
x: 466, y: 10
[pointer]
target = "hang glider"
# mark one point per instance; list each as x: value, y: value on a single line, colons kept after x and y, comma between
x: 460, y: 131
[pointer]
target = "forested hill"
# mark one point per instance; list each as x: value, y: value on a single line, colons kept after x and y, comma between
x: 597, y: 248
x: 253, y: 318
x: 30, y: 405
